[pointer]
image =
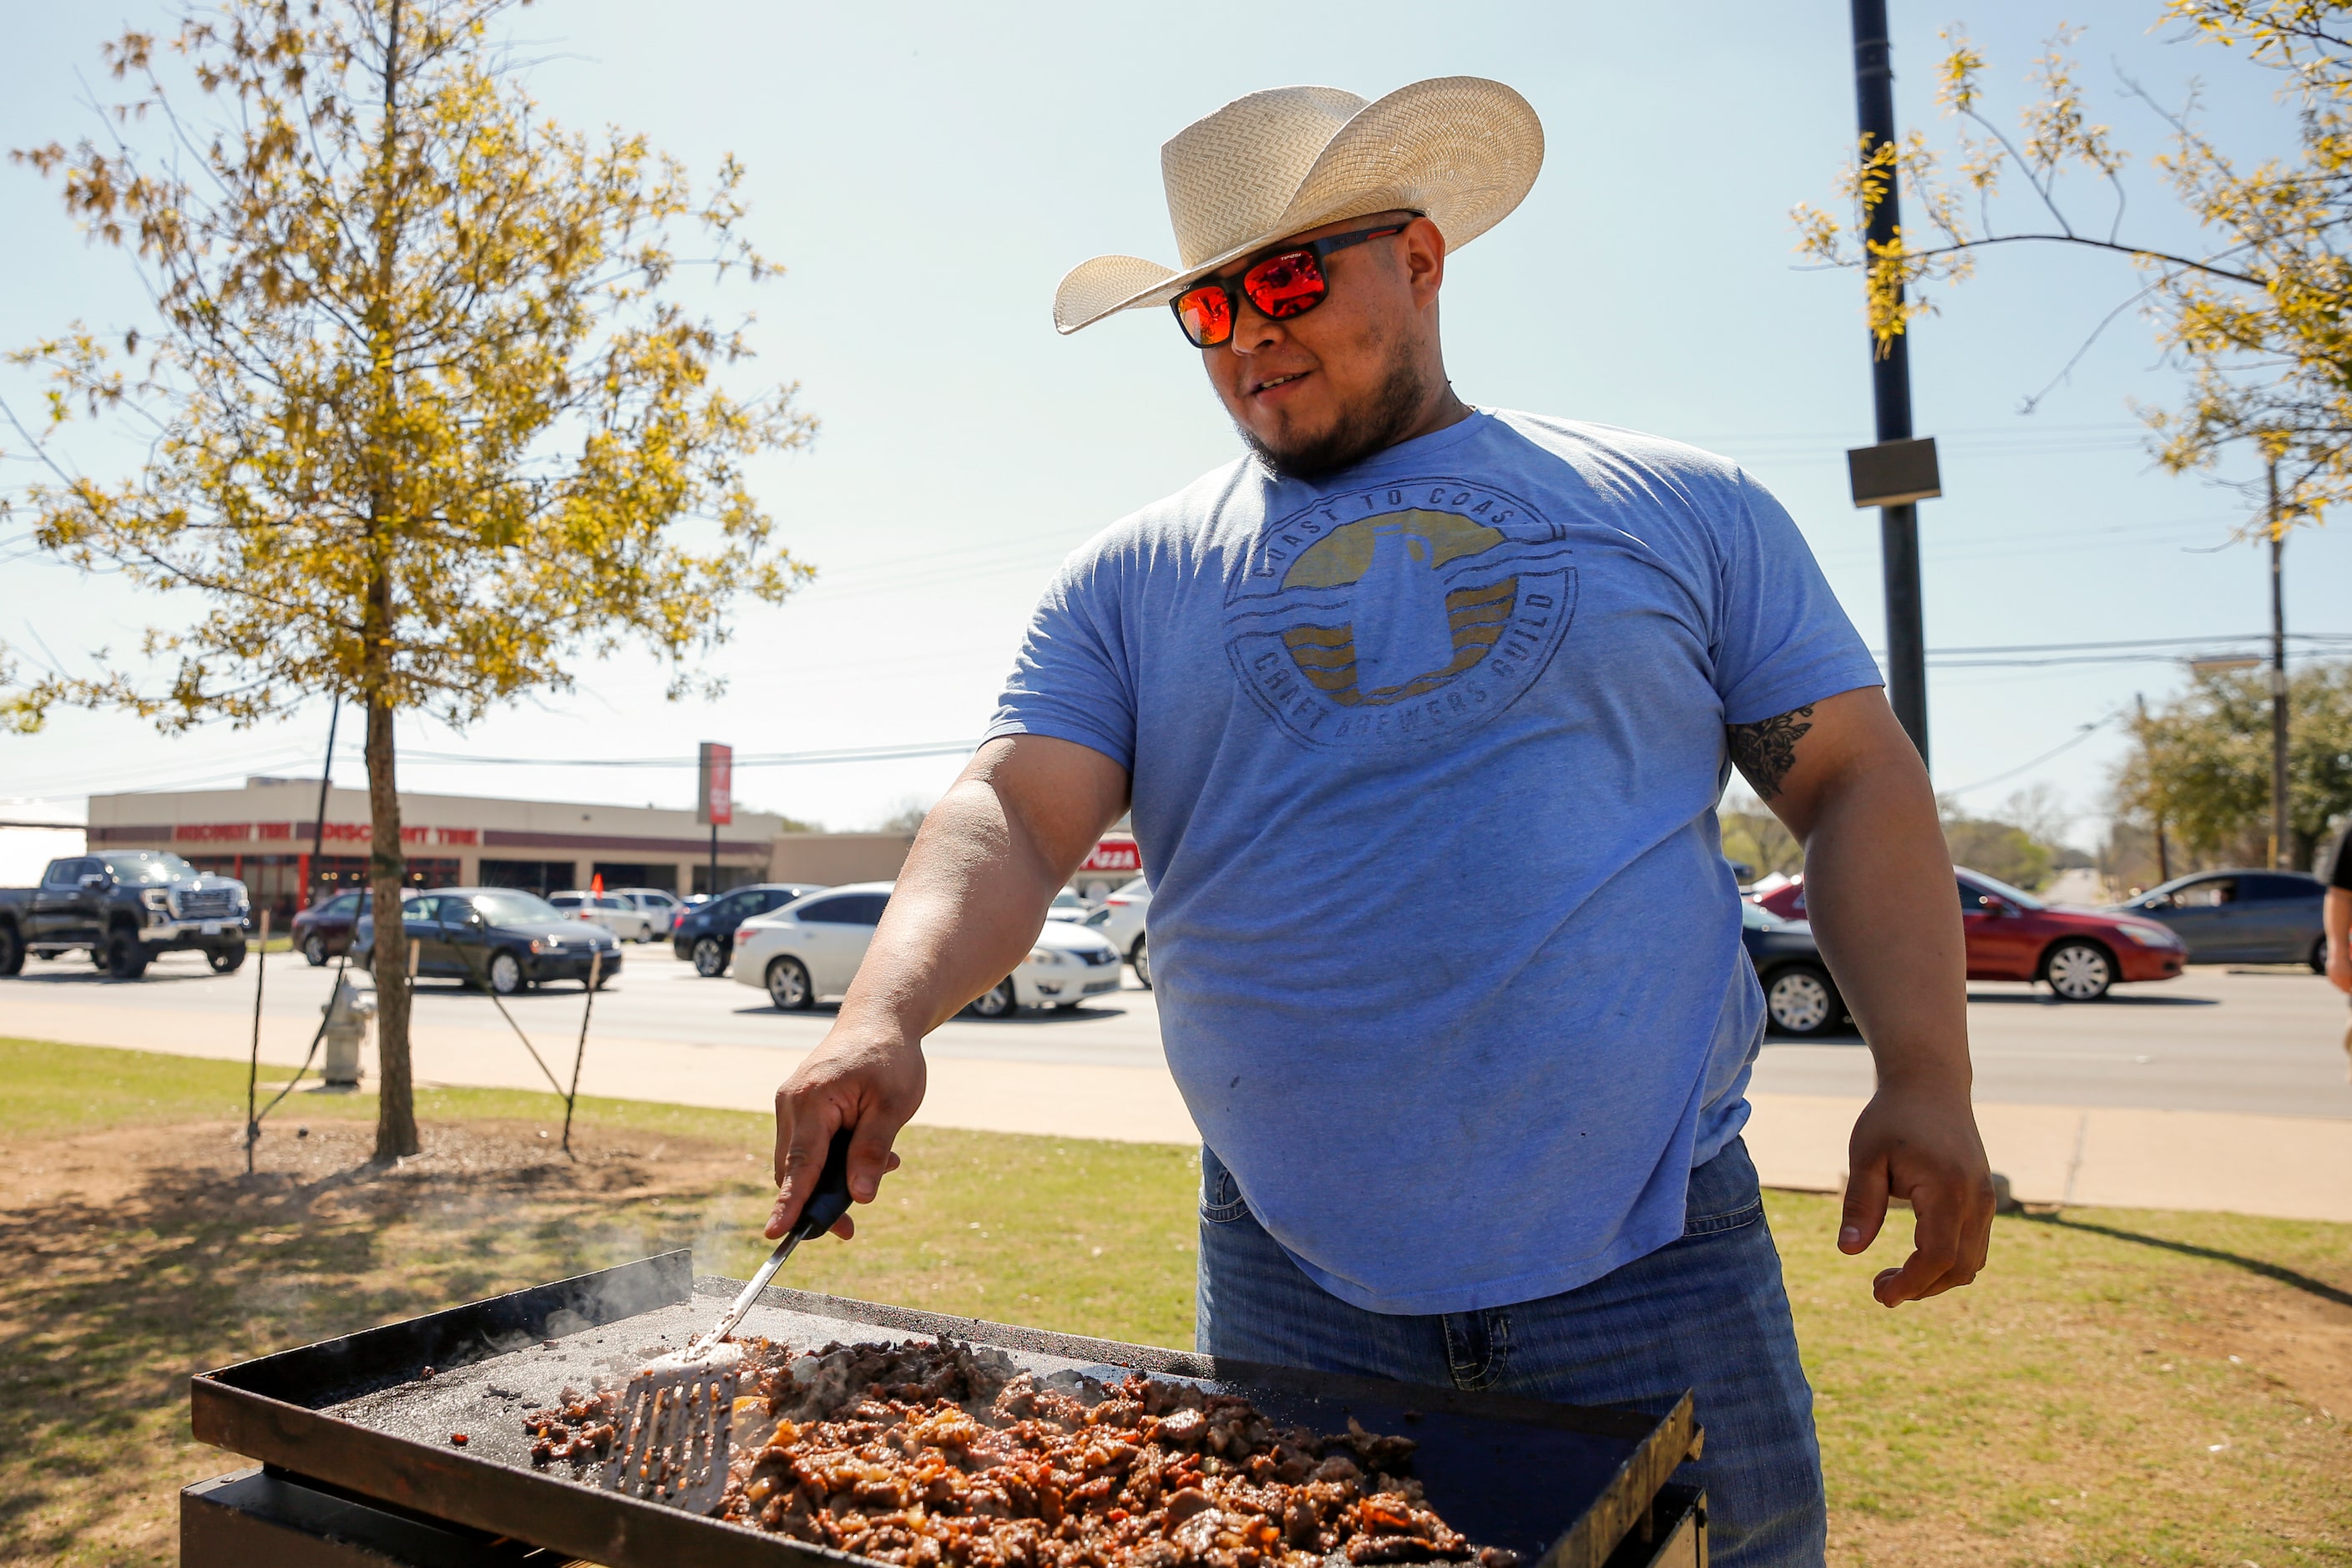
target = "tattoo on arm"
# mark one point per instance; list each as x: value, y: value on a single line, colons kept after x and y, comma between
x: 1766, y: 750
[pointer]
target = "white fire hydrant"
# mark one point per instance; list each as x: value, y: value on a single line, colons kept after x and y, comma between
x: 348, y: 1012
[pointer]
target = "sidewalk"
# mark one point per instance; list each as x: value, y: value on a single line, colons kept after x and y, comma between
x: 2287, y: 1167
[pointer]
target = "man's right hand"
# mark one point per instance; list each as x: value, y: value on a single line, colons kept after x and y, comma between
x: 872, y: 1084
x: 966, y: 907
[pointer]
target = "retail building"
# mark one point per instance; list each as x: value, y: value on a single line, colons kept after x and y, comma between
x: 264, y: 835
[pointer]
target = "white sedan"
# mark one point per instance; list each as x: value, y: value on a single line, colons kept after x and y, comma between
x: 616, y: 915
x: 1121, y: 920
x: 661, y: 907
x: 811, y: 949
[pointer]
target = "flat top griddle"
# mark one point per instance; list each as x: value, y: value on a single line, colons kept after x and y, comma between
x: 1557, y: 1482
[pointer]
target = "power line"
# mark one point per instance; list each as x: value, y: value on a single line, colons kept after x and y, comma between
x: 2143, y: 642
x: 2082, y: 734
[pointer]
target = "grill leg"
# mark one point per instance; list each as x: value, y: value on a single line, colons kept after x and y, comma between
x: 255, y: 1517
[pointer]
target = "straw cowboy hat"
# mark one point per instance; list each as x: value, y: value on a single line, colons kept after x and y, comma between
x: 1459, y: 148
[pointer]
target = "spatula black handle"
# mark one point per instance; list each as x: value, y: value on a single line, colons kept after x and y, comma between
x: 830, y: 1201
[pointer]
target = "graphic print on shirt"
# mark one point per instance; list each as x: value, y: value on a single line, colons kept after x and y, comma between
x: 1398, y: 614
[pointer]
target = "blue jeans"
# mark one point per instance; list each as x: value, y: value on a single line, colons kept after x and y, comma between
x: 1707, y: 1312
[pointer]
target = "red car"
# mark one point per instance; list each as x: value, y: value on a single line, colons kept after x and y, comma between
x: 2012, y: 935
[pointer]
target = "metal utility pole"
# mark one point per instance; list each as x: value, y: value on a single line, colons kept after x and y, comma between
x: 1890, y: 476
x: 2279, y: 850
x: 2163, y: 856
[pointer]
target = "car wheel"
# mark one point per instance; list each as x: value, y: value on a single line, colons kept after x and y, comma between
x: 2318, y: 959
x: 1139, y: 955
x: 125, y: 959
x: 789, y: 987
x: 506, y: 972
x: 2079, y: 971
x: 709, y: 957
x: 1799, y: 1000
x: 12, y: 951
x: 225, y: 959
x: 314, y: 948
x: 999, y: 1001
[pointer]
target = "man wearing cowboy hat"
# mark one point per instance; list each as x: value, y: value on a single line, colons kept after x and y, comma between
x: 1448, y: 1137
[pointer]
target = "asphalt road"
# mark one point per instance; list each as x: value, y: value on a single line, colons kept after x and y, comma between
x: 2264, y: 1041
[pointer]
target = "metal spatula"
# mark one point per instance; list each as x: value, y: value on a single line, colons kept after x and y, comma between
x: 678, y: 1414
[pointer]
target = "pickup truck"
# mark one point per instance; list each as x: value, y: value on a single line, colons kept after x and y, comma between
x: 123, y: 909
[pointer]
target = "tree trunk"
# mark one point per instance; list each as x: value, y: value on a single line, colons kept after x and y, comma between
x: 396, y: 1123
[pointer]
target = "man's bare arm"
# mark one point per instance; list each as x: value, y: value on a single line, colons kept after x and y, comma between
x: 966, y: 909
x: 1880, y: 893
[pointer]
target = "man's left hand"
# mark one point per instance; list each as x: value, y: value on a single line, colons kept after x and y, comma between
x: 1920, y: 1144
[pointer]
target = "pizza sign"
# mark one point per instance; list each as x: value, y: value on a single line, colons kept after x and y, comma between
x: 1114, y: 855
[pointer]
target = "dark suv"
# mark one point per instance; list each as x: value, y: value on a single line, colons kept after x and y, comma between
x: 705, y: 936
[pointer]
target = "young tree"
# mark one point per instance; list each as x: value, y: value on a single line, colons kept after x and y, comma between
x: 2203, y: 761
x: 421, y: 417
x: 21, y: 708
x: 1754, y: 838
x: 2260, y: 317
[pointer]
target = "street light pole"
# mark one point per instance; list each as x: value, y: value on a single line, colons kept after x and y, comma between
x: 1890, y: 385
x: 2278, y: 678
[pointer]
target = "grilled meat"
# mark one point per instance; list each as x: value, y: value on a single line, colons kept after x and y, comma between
x: 925, y: 1455
x: 581, y: 1429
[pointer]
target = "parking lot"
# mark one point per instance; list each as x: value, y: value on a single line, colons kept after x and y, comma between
x: 2259, y: 1041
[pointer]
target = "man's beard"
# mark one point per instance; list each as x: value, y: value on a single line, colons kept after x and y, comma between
x: 1372, y: 425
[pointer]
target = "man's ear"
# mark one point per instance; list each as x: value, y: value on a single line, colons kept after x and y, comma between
x: 1424, y: 261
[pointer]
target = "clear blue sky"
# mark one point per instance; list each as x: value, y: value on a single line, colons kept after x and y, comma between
x: 927, y: 171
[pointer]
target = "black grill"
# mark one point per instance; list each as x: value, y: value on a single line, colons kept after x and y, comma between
x: 356, y: 1425
x: 208, y: 904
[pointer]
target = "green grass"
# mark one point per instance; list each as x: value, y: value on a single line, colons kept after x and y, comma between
x: 2119, y: 1386
x: 2078, y: 1406
x: 1088, y: 1237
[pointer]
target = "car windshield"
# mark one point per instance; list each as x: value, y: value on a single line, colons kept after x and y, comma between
x: 1756, y: 917
x: 506, y: 908
x: 151, y: 866
x: 1999, y: 888
x: 1066, y: 900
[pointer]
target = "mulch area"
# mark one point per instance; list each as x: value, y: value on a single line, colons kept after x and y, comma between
x: 140, y: 1254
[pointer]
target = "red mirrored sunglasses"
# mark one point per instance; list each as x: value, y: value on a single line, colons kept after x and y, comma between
x: 1283, y: 283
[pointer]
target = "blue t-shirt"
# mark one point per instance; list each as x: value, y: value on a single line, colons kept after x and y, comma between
x: 1425, y: 759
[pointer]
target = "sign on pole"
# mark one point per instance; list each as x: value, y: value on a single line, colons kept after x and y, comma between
x: 715, y: 799
x: 1114, y: 855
